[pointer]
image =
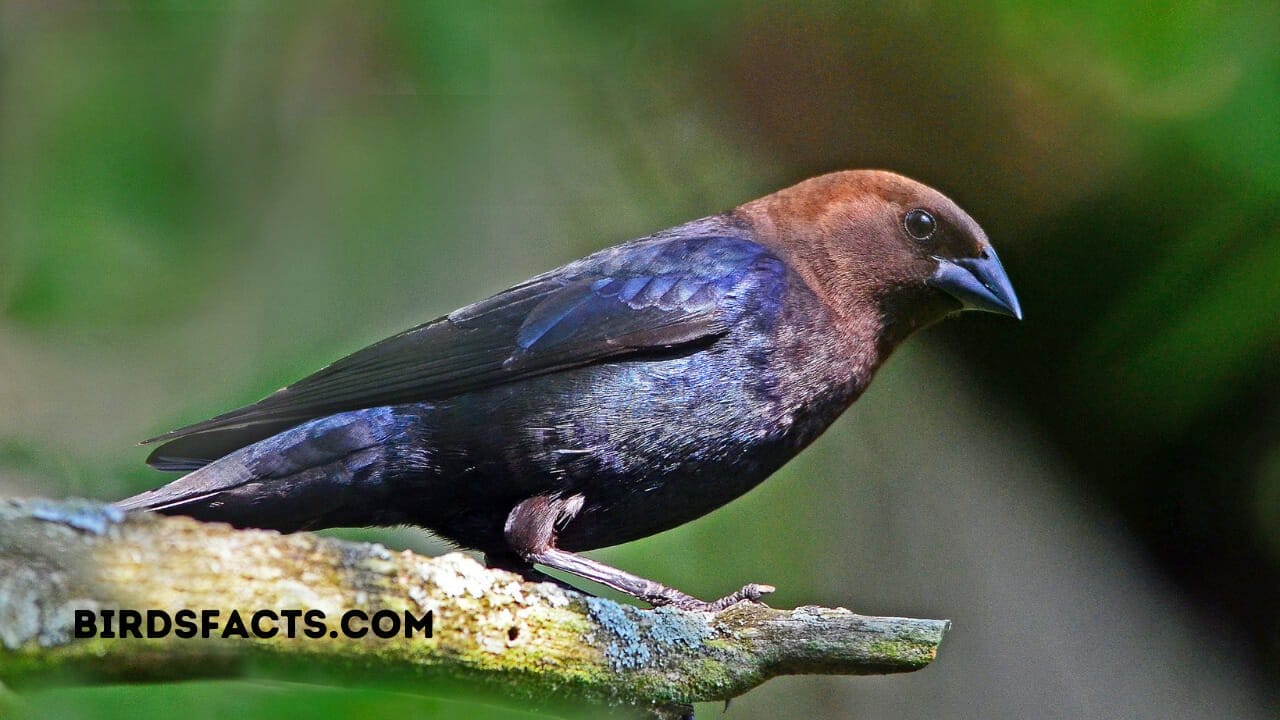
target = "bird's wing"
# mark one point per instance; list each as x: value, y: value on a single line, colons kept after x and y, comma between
x: 641, y: 297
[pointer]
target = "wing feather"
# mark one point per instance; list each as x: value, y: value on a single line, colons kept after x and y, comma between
x: 642, y: 296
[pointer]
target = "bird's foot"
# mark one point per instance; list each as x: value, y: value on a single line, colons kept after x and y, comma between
x: 750, y: 593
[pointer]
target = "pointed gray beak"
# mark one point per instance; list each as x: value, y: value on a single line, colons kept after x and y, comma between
x: 978, y: 283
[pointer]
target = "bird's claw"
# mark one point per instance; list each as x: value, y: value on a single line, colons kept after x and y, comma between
x: 751, y: 593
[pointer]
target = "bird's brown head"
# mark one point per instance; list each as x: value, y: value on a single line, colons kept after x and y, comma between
x: 879, y: 245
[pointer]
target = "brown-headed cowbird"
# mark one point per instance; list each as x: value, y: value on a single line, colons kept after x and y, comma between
x: 615, y: 397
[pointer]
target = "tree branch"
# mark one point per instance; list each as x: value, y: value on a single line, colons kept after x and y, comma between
x: 528, y: 642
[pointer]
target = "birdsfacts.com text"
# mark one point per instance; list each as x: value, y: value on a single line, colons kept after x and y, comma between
x: 188, y: 623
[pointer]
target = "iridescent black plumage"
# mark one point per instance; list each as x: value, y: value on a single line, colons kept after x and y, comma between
x: 610, y: 399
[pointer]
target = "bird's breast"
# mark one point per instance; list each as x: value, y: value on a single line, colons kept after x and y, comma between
x: 650, y: 443
x: 659, y: 445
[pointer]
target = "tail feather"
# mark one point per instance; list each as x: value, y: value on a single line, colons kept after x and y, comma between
x: 196, y: 487
x: 191, y: 450
x: 303, y: 477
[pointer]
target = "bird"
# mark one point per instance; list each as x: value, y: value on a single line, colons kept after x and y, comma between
x: 615, y: 397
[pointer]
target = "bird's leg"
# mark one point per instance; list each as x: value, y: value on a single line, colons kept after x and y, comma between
x: 531, y: 530
x: 512, y: 562
x: 652, y: 592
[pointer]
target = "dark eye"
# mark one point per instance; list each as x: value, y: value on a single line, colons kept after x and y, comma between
x: 920, y: 224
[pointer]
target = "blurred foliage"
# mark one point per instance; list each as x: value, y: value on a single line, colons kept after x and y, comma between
x: 280, y: 701
x: 200, y: 201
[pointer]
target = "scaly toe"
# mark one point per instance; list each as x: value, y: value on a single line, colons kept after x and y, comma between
x: 749, y: 593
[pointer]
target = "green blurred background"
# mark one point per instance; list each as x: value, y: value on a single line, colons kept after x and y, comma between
x: 201, y: 201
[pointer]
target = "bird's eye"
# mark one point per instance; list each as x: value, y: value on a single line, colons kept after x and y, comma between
x: 920, y: 224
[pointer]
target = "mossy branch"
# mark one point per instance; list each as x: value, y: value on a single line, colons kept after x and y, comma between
x: 531, y: 643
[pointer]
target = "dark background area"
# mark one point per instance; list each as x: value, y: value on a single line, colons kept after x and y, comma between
x: 200, y: 201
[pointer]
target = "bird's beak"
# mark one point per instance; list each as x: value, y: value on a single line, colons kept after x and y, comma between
x: 978, y: 283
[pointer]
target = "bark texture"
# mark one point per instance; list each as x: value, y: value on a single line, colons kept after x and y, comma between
x: 529, y: 643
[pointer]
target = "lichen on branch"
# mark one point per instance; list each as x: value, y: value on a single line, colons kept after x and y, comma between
x: 530, y: 643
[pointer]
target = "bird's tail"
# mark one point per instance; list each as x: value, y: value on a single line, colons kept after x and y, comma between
x: 191, y: 490
x: 307, y: 477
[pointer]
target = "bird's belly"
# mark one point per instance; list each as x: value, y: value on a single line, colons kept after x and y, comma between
x: 648, y: 445
x: 651, y: 503
x: 720, y: 454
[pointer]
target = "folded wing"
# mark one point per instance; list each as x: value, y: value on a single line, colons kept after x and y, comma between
x: 642, y: 297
